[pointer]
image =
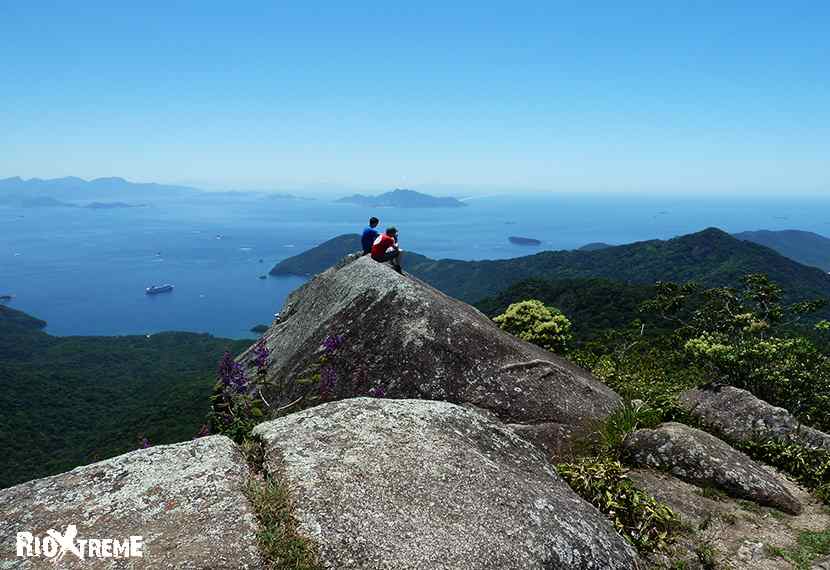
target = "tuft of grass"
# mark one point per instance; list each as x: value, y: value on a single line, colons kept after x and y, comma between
x: 279, y: 540
x: 628, y: 417
x: 712, y: 493
x: 810, y: 546
x: 750, y: 506
x: 707, y: 556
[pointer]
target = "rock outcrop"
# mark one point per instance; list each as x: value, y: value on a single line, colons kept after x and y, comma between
x: 702, y: 459
x: 413, y: 484
x: 395, y: 335
x: 184, y: 501
x: 739, y: 417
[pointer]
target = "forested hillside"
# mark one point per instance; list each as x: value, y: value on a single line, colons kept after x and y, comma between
x: 67, y: 401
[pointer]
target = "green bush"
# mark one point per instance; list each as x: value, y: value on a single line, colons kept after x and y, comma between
x: 644, y: 521
x: 536, y: 323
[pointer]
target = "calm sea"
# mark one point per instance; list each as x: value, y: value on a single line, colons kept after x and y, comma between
x: 84, y: 271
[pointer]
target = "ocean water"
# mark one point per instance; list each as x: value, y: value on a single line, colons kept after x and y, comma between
x: 84, y: 271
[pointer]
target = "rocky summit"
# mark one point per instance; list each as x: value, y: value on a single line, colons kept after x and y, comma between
x: 411, y: 484
x: 360, y: 328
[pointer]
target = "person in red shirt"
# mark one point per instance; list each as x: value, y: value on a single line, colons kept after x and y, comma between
x: 386, y: 249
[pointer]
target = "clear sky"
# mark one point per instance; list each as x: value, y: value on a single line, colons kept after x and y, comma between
x: 659, y: 95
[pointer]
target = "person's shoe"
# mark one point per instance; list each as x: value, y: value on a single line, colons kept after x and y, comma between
x: 398, y: 269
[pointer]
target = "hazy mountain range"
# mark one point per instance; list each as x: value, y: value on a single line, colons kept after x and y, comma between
x: 74, y: 188
x: 110, y: 193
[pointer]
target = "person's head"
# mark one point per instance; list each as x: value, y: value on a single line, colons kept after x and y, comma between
x: 392, y: 231
x: 373, y: 222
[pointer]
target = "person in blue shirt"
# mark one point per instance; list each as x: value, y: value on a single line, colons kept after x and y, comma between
x: 369, y: 236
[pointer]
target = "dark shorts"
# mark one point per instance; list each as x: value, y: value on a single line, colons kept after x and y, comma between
x: 388, y: 256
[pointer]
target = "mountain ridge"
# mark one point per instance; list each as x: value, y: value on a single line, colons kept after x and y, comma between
x: 805, y: 247
x: 711, y: 257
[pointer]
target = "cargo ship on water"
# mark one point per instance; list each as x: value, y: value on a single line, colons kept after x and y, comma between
x: 156, y: 289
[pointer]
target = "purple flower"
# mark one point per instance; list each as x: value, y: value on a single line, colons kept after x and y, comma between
x: 145, y: 443
x: 377, y: 392
x: 261, y: 355
x: 328, y: 381
x: 231, y: 374
x: 332, y: 343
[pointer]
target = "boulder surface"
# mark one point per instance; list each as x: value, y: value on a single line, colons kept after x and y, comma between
x: 702, y: 459
x: 739, y: 417
x: 397, y: 336
x: 413, y: 484
x: 185, y: 501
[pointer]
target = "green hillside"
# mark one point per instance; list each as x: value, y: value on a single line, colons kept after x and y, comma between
x: 319, y: 258
x: 68, y: 401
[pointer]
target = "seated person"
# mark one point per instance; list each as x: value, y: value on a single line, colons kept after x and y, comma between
x: 370, y: 234
x: 386, y: 249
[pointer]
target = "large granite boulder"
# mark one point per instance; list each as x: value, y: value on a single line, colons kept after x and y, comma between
x: 414, y: 484
x: 739, y: 417
x: 184, y: 501
x: 395, y: 335
x: 702, y: 459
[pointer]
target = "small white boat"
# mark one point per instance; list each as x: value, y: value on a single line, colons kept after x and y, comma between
x: 156, y: 289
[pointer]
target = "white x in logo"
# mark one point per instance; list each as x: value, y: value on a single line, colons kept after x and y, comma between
x: 66, y: 541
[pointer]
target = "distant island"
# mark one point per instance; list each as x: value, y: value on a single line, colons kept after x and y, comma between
x: 594, y: 246
x: 112, y: 205
x: 284, y: 196
x: 400, y: 198
x: 259, y: 328
x: 524, y: 240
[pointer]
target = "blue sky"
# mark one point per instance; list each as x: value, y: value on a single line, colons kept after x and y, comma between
x: 662, y: 95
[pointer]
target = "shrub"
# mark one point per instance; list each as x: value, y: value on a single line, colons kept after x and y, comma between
x: 536, y: 323
x: 644, y: 521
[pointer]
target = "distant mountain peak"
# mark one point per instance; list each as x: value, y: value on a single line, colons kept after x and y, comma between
x: 402, y: 198
x: 109, y: 180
